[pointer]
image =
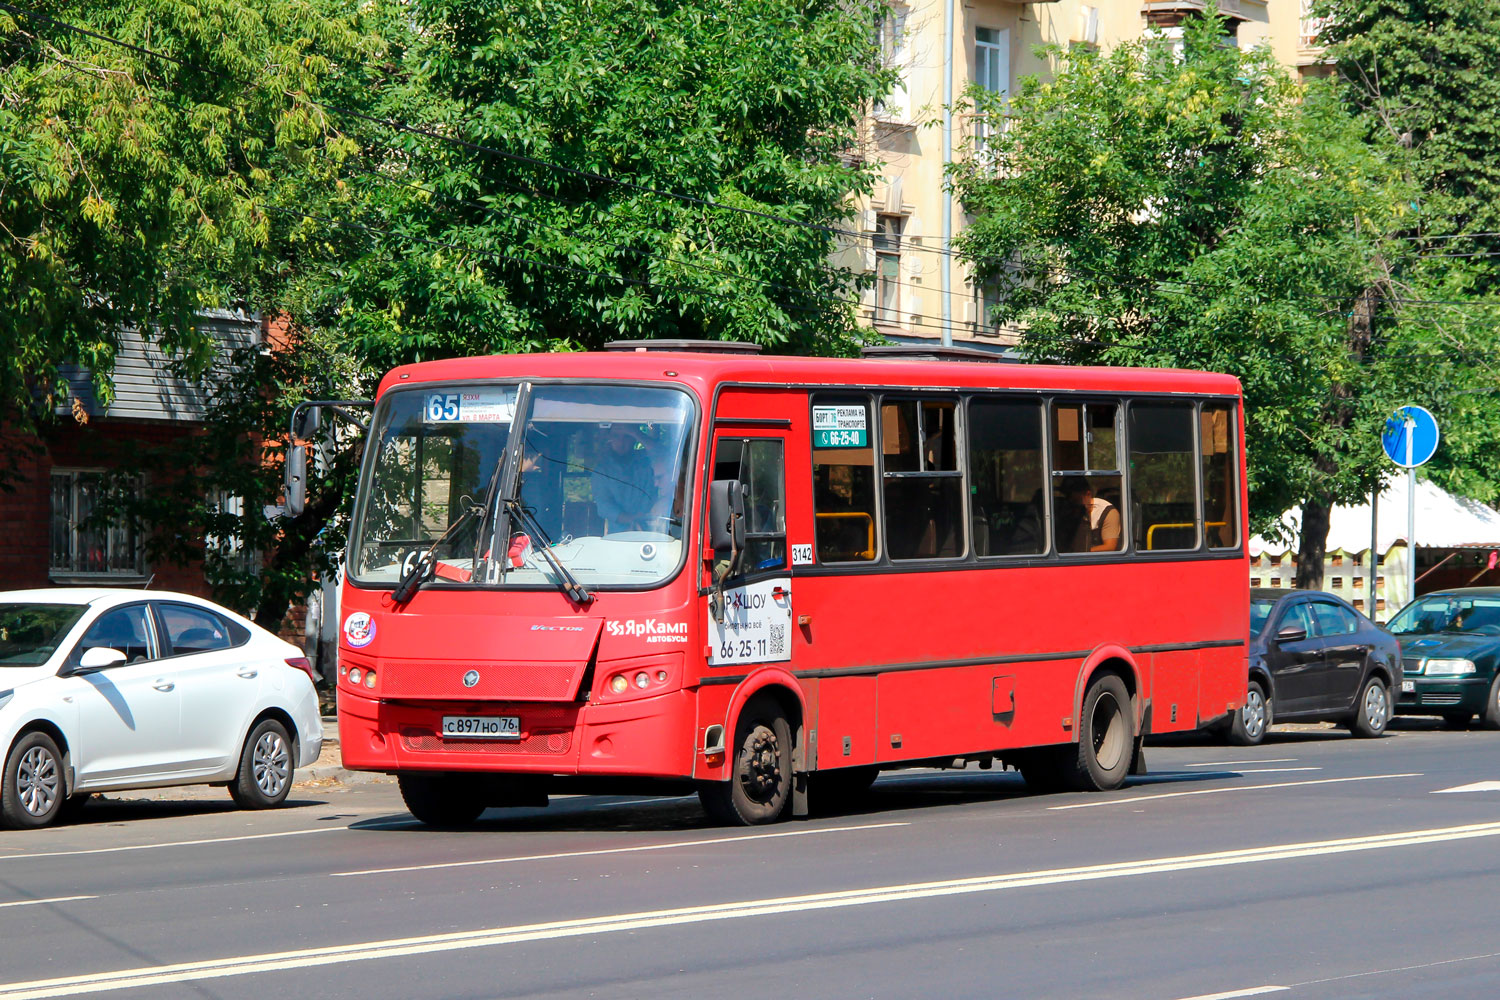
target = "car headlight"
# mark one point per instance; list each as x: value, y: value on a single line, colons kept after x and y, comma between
x: 1448, y: 668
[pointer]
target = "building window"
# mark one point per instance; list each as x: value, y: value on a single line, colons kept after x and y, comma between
x: 991, y: 73
x: 83, y: 545
x: 1255, y: 581
x: 887, y: 244
x: 1088, y: 24
x: 895, y: 54
x: 1338, y: 582
x: 227, y: 544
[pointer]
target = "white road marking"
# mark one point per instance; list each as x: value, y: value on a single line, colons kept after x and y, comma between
x: 36, y: 902
x: 1131, y: 799
x: 175, y: 843
x: 1403, y: 968
x: 159, y: 975
x: 1232, y: 763
x: 1253, y: 991
x: 619, y: 850
x: 1478, y: 786
x: 1272, y: 770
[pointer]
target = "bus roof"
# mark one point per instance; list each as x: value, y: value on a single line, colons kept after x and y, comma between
x: 705, y: 370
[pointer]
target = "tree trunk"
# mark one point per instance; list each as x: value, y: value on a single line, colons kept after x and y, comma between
x: 1312, y: 545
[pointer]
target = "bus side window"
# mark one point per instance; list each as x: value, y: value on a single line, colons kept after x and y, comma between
x: 1086, y: 501
x: 758, y: 464
x: 1163, y: 504
x: 1007, y: 477
x: 923, y: 484
x: 1221, y: 494
x: 843, y: 480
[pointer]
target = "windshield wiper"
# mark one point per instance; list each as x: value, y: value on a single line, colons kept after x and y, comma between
x: 421, y: 570
x: 577, y: 591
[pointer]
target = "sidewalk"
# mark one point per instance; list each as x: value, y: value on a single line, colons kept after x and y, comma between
x: 328, y: 769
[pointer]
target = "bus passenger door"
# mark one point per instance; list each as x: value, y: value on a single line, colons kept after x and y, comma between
x: 750, y: 611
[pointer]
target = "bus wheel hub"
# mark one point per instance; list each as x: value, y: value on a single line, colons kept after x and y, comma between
x: 762, y: 771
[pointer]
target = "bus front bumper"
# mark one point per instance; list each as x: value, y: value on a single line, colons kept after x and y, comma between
x: 645, y: 737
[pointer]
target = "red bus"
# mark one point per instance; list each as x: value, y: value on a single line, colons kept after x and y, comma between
x: 683, y: 565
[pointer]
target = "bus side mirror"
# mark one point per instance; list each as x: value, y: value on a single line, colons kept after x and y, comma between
x: 296, y: 480
x: 726, y: 520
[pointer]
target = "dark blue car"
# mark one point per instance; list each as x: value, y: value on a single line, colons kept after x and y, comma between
x: 1450, y: 644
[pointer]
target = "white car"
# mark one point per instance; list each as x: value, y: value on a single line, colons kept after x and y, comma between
x: 102, y: 690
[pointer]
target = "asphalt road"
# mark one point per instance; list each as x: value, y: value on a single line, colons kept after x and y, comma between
x: 1314, y: 866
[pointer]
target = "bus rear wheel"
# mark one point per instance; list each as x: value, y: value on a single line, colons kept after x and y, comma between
x: 440, y: 799
x: 760, y: 783
x: 1106, y: 738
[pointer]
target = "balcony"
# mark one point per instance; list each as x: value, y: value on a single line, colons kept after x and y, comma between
x: 1166, y: 13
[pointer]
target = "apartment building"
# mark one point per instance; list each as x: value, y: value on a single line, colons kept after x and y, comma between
x: 922, y: 293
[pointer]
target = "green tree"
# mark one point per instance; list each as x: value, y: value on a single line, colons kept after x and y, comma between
x: 1423, y: 76
x: 132, y: 188
x: 466, y: 177
x: 1202, y: 210
x: 558, y: 173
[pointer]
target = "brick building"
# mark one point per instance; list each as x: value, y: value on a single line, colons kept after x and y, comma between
x: 49, y: 538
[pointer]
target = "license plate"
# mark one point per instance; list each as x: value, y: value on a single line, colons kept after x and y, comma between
x: 1407, y: 687
x: 483, y: 727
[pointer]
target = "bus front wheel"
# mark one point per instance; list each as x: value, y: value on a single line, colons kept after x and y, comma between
x: 440, y: 799
x: 760, y: 784
x: 1106, y: 738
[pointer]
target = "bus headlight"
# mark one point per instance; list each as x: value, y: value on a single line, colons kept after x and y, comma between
x: 642, y: 679
x: 369, y: 678
x: 1448, y: 668
x: 618, y: 684
x: 354, y: 675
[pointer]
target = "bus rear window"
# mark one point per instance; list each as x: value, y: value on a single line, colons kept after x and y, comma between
x: 843, y: 480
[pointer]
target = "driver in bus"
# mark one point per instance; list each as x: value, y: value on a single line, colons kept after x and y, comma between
x: 624, y: 483
x: 1088, y: 523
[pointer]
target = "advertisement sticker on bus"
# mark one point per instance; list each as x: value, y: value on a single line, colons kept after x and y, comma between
x: 470, y: 406
x: 840, y: 427
x: 359, y: 629
x: 757, y: 624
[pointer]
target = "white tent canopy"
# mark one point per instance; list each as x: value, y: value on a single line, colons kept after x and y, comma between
x: 1444, y: 521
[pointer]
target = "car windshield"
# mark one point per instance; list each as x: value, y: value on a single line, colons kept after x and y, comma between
x: 31, y: 633
x: 1454, y: 613
x: 1260, y: 613
x: 601, y: 477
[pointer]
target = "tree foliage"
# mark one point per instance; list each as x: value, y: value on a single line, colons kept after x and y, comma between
x: 409, y: 179
x: 1423, y: 78
x: 558, y: 173
x: 132, y: 188
x: 1203, y: 210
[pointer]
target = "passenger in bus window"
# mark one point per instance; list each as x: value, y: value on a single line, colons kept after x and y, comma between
x: 1085, y: 522
x: 624, y: 483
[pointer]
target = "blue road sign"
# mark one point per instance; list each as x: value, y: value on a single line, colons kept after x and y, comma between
x: 1410, y: 437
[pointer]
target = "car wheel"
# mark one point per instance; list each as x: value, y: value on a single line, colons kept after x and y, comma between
x: 440, y: 799
x: 32, y: 793
x: 1248, y: 726
x: 760, y: 787
x: 265, y: 774
x: 1373, y: 711
x: 1106, y: 739
x: 1491, y: 716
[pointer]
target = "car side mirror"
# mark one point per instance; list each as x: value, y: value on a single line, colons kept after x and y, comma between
x: 98, y: 658
x: 1291, y: 633
x: 726, y: 520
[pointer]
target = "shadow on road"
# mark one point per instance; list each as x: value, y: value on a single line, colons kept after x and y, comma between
x: 106, y: 809
x: 894, y: 792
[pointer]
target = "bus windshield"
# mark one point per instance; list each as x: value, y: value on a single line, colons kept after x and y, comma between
x: 602, y: 476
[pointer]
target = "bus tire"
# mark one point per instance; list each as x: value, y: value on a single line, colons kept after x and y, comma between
x: 759, y: 788
x: 440, y: 799
x: 1106, y: 738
